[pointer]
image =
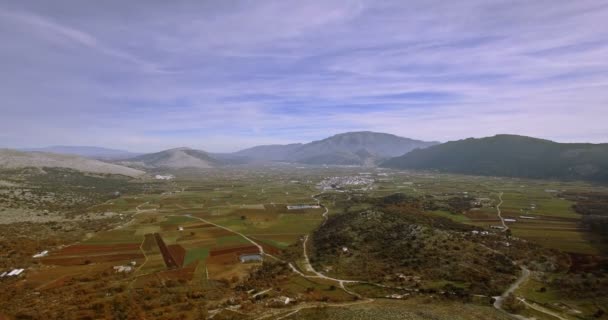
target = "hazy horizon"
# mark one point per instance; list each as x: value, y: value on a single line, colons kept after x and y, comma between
x: 224, y: 76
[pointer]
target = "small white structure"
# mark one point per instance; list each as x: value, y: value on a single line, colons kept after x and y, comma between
x: 164, y: 177
x: 180, y: 228
x: 303, y: 206
x: 15, y: 272
x: 41, y: 254
x: 250, y: 257
x: 527, y: 217
x: 3, y: 274
x: 344, y: 249
x: 509, y: 220
x: 124, y: 269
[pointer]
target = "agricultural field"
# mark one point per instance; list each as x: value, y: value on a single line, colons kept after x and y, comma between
x: 175, y: 248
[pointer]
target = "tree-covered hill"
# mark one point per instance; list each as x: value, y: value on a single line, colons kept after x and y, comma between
x: 512, y: 156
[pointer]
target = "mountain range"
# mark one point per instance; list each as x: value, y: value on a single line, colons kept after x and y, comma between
x: 351, y: 148
x: 500, y: 155
x: 13, y: 159
x: 511, y: 156
x: 87, y: 151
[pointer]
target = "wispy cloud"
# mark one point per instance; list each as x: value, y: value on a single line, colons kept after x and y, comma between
x: 225, y: 75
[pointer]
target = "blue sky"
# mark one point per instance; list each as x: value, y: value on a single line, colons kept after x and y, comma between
x: 224, y: 75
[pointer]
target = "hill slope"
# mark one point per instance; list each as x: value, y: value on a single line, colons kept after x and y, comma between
x: 383, y: 243
x: 513, y: 156
x: 87, y: 151
x: 351, y: 148
x: 175, y: 159
x: 12, y: 159
x: 276, y: 152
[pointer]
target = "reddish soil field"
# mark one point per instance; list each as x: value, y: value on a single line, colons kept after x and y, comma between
x: 57, y: 283
x: 199, y: 226
x: 222, y: 259
x: 167, y: 257
x: 270, y: 249
x: 179, y: 274
x: 238, y: 250
x: 178, y: 253
x: 218, y: 232
x: 485, y: 220
x: 71, y: 261
x: 84, y: 249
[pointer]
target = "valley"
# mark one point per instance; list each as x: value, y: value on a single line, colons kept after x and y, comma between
x: 288, y: 241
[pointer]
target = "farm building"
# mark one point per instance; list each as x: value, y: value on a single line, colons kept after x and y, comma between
x: 303, y: 206
x: 15, y: 272
x: 41, y: 254
x: 125, y: 269
x: 250, y: 257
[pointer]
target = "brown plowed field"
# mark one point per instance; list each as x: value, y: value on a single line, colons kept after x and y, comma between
x: 82, y: 260
x: 223, y: 259
x: 169, y: 261
x: 270, y: 249
x: 87, y: 249
x: 238, y: 250
x: 179, y: 274
x: 178, y: 253
x: 199, y: 226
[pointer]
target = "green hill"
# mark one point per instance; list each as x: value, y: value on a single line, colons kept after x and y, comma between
x: 512, y: 156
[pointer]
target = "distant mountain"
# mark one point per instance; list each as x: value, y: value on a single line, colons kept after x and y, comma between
x: 174, y: 159
x: 86, y: 151
x: 276, y: 152
x: 351, y: 148
x: 357, y: 148
x: 12, y: 159
x: 513, y: 156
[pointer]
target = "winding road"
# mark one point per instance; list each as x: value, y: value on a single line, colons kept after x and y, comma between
x: 502, y: 220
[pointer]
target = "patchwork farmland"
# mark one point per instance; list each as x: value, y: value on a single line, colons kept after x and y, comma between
x: 186, y: 239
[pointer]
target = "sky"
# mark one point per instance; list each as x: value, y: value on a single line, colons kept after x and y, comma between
x: 225, y: 75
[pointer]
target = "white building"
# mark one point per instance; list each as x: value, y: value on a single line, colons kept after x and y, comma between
x: 41, y: 254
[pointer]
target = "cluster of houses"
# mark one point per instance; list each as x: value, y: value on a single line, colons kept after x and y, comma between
x: 482, y: 202
x: 164, y: 177
x: 333, y: 183
x: 480, y: 233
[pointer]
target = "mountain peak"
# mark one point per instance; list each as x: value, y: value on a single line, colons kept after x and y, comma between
x: 182, y: 157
